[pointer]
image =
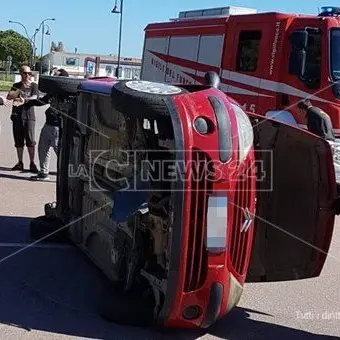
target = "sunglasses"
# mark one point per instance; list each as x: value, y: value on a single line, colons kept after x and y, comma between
x: 26, y: 73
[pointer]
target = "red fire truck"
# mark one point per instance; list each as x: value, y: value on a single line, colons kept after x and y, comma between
x: 267, y: 61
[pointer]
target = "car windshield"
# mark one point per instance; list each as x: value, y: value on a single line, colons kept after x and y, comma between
x: 335, y: 54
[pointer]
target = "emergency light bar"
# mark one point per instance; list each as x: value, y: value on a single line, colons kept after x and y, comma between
x: 215, y: 12
x: 329, y: 11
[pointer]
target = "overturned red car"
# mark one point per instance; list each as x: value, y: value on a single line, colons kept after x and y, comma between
x: 180, y: 197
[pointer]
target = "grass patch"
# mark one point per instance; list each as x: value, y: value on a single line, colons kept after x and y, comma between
x: 7, y: 77
x: 5, y: 85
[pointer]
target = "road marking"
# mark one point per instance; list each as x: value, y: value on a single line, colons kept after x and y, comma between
x: 44, y: 246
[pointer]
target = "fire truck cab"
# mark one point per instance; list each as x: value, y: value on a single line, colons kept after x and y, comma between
x: 267, y: 62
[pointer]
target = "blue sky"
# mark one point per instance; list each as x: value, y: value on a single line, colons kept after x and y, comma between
x: 90, y: 27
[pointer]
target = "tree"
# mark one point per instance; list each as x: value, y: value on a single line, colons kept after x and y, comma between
x: 14, y: 44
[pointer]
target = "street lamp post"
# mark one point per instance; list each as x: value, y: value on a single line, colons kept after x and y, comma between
x: 30, y: 40
x: 48, y: 32
x: 119, y: 11
x: 42, y: 26
x: 42, y: 48
x: 35, y: 48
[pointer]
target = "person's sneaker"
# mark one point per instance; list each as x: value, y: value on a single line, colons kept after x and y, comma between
x: 40, y: 177
x: 34, y: 169
x: 18, y: 167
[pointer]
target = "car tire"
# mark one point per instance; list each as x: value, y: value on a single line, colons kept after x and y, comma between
x: 47, y: 229
x: 63, y: 86
x: 142, y: 96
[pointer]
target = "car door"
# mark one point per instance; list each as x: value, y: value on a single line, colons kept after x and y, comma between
x: 295, y: 193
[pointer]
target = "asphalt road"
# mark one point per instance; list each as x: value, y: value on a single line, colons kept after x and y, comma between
x: 50, y: 291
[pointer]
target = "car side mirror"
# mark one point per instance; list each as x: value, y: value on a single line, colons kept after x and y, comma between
x: 212, y: 79
x: 297, y: 62
x: 297, y: 59
x: 299, y: 40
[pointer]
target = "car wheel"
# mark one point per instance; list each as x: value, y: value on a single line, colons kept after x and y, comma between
x: 62, y: 86
x: 142, y: 96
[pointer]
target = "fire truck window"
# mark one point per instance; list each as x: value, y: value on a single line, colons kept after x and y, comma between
x: 335, y: 55
x: 207, y: 44
x: 248, y: 51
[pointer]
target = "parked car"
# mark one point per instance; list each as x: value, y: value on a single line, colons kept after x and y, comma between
x: 180, y: 197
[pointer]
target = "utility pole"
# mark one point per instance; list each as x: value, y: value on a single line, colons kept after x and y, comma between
x: 42, y: 26
x: 119, y: 11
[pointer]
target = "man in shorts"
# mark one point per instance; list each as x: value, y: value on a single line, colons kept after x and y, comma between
x: 24, y: 118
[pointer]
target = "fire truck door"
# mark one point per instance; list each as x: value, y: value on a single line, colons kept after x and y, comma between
x: 249, y: 46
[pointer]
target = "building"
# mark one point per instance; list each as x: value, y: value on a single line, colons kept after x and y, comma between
x: 79, y: 64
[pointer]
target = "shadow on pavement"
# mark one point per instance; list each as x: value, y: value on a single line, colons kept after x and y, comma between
x: 56, y: 289
x: 21, y: 178
x: 14, y: 229
x: 6, y: 169
x: 15, y: 177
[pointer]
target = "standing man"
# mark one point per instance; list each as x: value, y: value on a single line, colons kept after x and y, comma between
x: 24, y: 118
x: 318, y: 121
x: 49, y: 136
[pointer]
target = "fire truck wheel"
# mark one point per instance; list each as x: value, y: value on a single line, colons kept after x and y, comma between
x: 63, y: 86
x: 48, y: 229
x: 141, y: 95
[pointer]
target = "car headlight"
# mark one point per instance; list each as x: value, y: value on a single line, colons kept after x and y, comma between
x: 245, y: 132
